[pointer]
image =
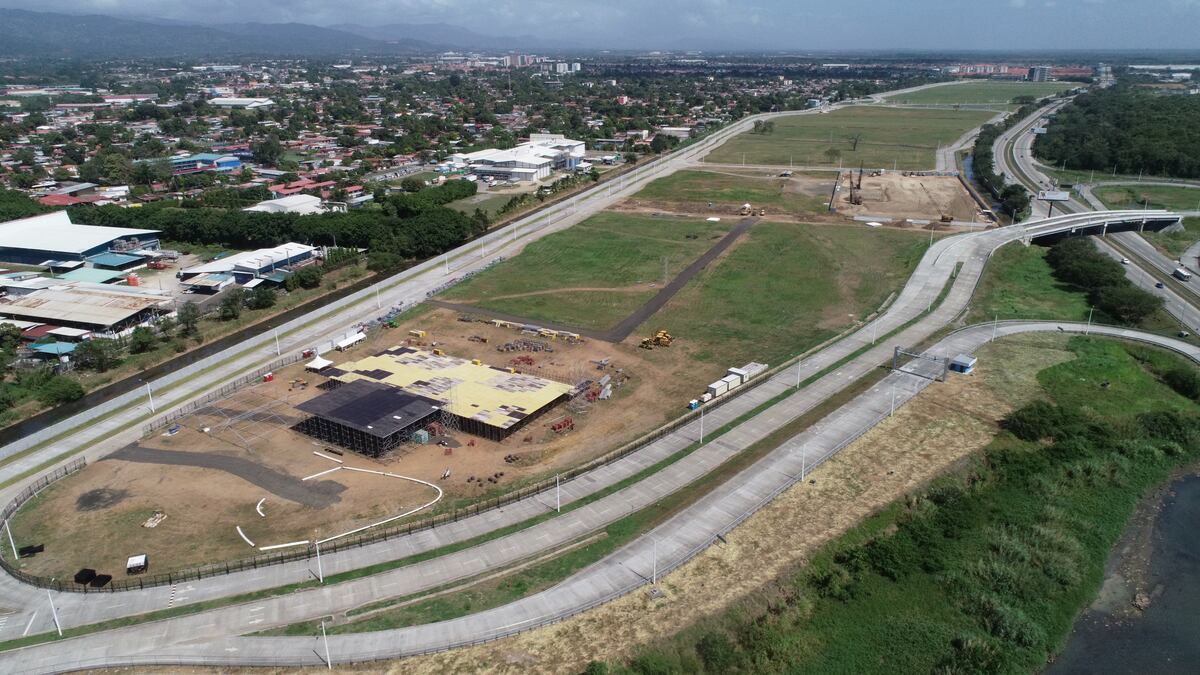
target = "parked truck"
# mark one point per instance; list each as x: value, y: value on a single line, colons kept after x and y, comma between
x: 1182, y: 274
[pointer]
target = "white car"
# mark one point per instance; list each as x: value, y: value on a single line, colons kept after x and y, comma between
x: 1124, y: 261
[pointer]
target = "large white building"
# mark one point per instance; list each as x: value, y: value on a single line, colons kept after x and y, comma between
x: 532, y: 160
x: 301, y: 204
x: 247, y: 103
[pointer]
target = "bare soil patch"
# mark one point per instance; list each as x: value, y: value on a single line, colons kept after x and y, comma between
x: 896, y: 196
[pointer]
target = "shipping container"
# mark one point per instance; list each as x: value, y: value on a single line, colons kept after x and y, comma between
x: 754, y: 369
x: 706, y: 397
x: 718, y: 388
x: 742, y: 375
x: 733, y: 381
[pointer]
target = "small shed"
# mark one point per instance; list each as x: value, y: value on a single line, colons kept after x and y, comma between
x: 137, y: 564
x: 963, y: 363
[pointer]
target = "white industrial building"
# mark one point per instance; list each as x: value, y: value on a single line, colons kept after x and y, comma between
x: 52, y: 236
x: 535, y: 159
x: 301, y: 204
x: 241, y: 102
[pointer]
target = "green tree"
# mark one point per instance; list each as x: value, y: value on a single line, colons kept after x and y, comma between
x: 262, y: 297
x: 98, y: 354
x: 412, y: 184
x: 188, y: 317
x: 142, y: 340
x: 58, y: 389
x: 268, y: 151
x: 231, y: 304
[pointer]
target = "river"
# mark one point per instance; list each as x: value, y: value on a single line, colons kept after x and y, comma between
x: 1156, y: 565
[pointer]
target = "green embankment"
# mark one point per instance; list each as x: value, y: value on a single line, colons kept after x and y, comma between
x: 986, y: 569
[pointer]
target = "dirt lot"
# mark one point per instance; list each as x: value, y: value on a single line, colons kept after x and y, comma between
x: 208, y: 482
x: 898, y: 197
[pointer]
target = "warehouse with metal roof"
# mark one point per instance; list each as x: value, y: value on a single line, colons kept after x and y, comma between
x: 367, y: 417
x: 52, y: 236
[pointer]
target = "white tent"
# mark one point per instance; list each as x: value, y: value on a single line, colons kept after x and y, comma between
x: 318, y: 364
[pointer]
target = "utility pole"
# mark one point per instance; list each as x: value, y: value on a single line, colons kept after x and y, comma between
x: 278, y: 352
x: 10, y: 539
x: 557, y: 494
x: 995, y: 324
x: 654, y: 567
x: 320, y: 570
x: 1089, y: 324
x: 150, y: 395
x: 325, y: 638
x: 798, y: 363
x: 893, y: 412
x: 701, y: 425
x: 54, y: 612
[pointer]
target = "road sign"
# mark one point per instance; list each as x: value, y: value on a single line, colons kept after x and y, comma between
x: 1054, y: 195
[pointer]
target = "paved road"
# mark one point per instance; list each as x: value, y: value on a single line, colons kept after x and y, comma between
x: 661, y: 550
x: 927, y: 282
x: 969, y: 251
x: 1149, y: 265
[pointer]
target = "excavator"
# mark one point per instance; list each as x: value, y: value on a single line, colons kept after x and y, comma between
x: 660, y: 339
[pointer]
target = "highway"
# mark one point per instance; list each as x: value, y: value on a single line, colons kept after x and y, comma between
x: 206, y: 636
x: 1149, y: 267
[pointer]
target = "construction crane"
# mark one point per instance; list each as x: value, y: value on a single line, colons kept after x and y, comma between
x: 943, y: 216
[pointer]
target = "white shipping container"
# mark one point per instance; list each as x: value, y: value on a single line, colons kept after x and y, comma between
x: 718, y: 388
x: 754, y: 369
x: 706, y: 397
x: 742, y: 375
x: 733, y: 381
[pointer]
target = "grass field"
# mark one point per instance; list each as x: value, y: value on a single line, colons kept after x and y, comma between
x: 1167, y: 197
x: 1018, y: 284
x: 778, y: 195
x: 787, y: 287
x: 1175, y: 243
x: 984, y: 91
x: 984, y: 570
x: 490, y: 203
x: 904, y: 139
x: 593, y: 274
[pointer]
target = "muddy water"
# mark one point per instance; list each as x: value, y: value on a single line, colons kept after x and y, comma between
x: 1146, y: 618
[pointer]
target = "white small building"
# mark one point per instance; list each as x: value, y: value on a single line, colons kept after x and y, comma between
x: 682, y: 133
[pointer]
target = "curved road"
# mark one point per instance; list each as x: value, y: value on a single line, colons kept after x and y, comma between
x: 206, y: 634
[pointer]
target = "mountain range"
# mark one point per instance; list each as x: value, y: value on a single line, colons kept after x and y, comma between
x: 46, y: 34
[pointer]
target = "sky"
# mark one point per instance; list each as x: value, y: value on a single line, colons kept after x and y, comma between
x: 926, y: 25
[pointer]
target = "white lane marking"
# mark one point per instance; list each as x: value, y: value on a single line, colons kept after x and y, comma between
x: 258, y: 620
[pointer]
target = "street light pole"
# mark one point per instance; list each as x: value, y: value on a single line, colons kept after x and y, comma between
x: 1089, y: 325
x: 54, y: 612
x: 12, y: 543
x: 653, y: 568
x: 320, y: 570
x: 278, y: 351
x: 325, y: 638
x: 150, y: 395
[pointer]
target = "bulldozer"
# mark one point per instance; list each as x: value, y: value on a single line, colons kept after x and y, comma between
x: 660, y: 339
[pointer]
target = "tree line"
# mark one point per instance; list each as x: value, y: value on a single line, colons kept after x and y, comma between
x: 1012, y: 197
x: 1076, y: 261
x: 1124, y: 130
x: 395, y: 229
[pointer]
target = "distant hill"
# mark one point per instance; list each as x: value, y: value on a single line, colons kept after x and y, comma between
x: 25, y: 33
x: 450, y: 36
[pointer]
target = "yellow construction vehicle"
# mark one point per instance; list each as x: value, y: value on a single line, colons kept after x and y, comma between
x: 660, y: 339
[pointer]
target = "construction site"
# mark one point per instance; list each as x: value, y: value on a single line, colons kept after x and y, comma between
x: 894, y: 197
x: 472, y: 407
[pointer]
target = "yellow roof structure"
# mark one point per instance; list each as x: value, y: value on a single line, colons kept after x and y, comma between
x: 491, y: 395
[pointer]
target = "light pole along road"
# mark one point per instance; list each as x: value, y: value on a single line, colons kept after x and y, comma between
x: 919, y: 293
x: 207, y: 637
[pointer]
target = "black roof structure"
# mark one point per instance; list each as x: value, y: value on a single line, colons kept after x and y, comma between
x: 371, y: 408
